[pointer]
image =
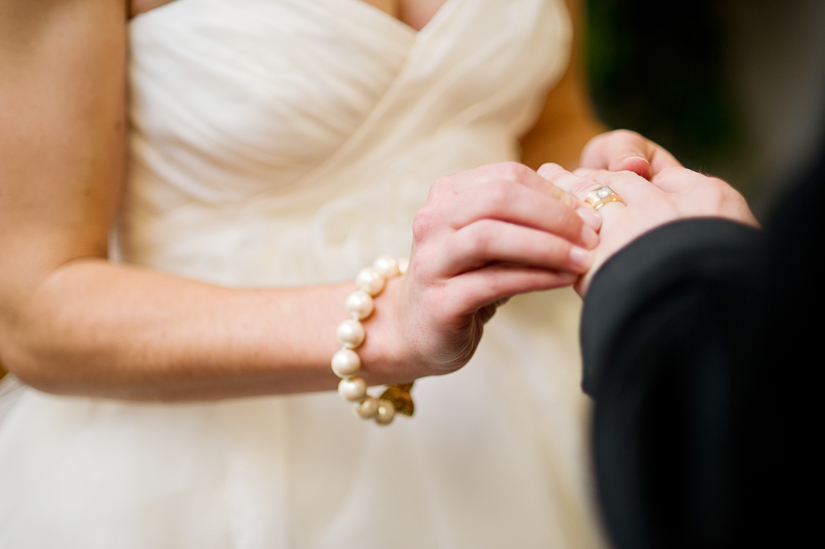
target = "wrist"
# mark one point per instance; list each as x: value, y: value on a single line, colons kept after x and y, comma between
x: 347, y: 363
x: 385, y: 353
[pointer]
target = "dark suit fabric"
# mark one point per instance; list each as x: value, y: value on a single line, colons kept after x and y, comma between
x: 697, y: 341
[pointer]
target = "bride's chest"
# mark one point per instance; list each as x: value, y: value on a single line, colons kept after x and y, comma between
x: 415, y: 13
x: 284, y: 81
x: 242, y: 95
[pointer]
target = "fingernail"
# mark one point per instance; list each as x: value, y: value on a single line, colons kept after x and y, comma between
x: 644, y: 172
x: 590, y: 217
x: 642, y: 158
x: 580, y: 257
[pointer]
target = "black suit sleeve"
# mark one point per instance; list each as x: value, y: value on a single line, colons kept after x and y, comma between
x: 700, y: 265
x: 668, y: 324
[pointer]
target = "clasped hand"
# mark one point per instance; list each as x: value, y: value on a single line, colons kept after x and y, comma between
x: 487, y: 234
x: 655, y: 188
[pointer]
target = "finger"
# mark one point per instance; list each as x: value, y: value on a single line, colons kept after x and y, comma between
x: 682, y: 181
x: 550, y: 172
x: 522, y: 175
x: 662, y: 160
x: 511, y: 172
x: 560, y: 177
x: 626, y: 150
x: 581, y: 186
x: 628, y: 185
x: 476, y: 289
x: 636, y: 164
x: 489, y: 241
x: 618, y: 150
x: 520, y: 205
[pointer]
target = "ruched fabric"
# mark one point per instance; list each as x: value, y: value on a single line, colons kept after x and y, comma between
x: 288, y: 143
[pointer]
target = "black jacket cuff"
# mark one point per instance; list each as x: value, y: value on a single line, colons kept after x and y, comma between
x: 711, y: 251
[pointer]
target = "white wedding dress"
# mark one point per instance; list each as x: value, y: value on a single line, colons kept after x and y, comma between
x: 289, y: 142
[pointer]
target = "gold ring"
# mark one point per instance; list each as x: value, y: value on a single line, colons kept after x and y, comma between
x: 601, y: 196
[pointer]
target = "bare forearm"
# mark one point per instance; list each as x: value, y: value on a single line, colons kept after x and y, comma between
x: 108, y: 330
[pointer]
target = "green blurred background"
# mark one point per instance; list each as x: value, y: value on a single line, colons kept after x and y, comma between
x: 734, y: 88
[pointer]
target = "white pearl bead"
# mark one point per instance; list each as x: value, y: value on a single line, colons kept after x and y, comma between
x: 351, y: 333
x: 345, y: 363
x: 403, y: 264
x: 387, y: 266
x: 370, y: 281
x: 366, y: 409
x: 386, y: 412
x: 352, y: 389
x: 359, y: 304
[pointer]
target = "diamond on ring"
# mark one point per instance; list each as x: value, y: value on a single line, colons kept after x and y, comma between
x: 601, y: 196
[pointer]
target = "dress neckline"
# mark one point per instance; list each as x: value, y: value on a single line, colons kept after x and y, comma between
x: 377, y: 13
x: 380, y: 15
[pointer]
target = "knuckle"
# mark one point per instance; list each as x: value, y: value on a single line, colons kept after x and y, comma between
x: 425, y: 264
x: 713, y: 185
x: 733, y: 197
x: 423, y: 223
x: 438, y: 187
x: 719, y: 184
x: 497, y: 194
x: 582, y: 187
x: 673, y: 171
x: 564, y: 222
x: 550, y: 170
x: 480, y: 238
x: 592, y: 146
x: 512, y: 171
x: 565, y: 198
x: 623, y: 175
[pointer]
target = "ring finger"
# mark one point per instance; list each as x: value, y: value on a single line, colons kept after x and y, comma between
x: 627, y: 185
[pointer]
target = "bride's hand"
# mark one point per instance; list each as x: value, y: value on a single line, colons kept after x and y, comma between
x: 621, y: 150
x: 483, y: 236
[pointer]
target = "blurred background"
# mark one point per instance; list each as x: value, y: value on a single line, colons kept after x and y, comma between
x: 734, y: 88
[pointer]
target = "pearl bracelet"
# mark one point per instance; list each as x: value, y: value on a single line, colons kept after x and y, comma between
x: 346, y: 362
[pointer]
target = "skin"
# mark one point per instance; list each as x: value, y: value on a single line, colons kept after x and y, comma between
x: 669, y: 193
x: 73, y: 323
x: 626, y: 150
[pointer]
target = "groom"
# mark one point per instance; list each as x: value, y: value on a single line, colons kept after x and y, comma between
x: 695, y: 325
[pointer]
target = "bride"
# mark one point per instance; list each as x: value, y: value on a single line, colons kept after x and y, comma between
x: 187, y: 235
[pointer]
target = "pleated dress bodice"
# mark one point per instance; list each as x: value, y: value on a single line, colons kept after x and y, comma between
x: 272, y: 139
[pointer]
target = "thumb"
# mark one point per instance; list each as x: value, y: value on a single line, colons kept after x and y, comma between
x: 619, y: 150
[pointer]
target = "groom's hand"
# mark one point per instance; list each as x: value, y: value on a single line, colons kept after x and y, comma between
x: 626, y: 150
x: 670, y: 195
